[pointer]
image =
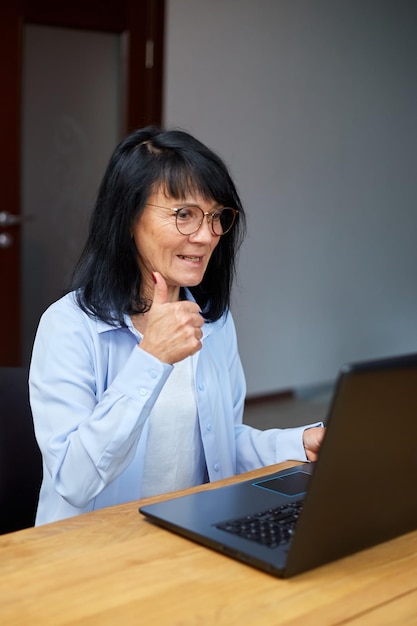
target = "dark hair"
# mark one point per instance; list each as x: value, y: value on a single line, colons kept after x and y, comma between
x: 107, y: 277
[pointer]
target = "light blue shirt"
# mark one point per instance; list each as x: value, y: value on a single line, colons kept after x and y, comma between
x: 92, y: 390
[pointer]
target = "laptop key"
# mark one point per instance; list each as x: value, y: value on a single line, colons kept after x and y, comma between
x: 271, y: 528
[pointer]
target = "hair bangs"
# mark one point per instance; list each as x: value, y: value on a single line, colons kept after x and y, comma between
x: 185, y: 174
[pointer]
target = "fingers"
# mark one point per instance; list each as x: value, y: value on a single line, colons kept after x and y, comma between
x: 174, y: 329
x: 312, y: 440
x: 160, y: 293
x: 175, y: 334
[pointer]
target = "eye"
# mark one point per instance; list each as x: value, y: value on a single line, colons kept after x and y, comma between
x: 186, y: 213
x: 217, y: 216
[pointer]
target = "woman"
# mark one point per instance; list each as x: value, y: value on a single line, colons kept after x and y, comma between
x: 136, y: 384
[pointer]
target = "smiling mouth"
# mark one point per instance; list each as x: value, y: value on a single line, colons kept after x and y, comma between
x: 189, y: 258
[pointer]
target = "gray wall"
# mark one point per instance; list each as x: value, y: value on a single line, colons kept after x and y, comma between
x: 312, y: 103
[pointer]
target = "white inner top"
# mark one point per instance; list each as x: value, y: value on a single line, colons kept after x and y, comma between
x: 174, y: 453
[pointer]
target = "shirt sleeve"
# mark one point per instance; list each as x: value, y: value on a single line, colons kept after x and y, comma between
x: 258, y: 448
x: 87, y: 427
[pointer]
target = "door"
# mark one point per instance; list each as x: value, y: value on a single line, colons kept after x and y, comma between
x: 140, y: 22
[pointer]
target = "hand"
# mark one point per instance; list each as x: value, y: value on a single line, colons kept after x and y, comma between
x: 312, y: 440
x: 173, y: 329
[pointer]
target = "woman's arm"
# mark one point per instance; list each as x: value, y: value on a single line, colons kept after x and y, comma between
x: 91, y: 392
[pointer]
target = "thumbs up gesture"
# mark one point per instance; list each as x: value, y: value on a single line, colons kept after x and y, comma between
x: 173, y: 329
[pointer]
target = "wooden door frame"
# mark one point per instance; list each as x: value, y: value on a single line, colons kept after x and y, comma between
x: 143, y: 23
x: 10, y: 186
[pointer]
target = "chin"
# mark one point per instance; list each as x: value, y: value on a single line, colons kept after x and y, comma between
x: 190, y: 284
x: 191, y: 281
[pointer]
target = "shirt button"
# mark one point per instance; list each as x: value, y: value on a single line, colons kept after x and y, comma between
x: 201, y: 386
x: 143, y: 391
x: 153, y: 373
x: 216, y: 467
x: 208, y: 427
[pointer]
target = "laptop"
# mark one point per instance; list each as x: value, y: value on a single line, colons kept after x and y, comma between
x: 360, y: 492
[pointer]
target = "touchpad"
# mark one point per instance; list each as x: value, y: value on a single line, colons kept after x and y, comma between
x: 292, y: 484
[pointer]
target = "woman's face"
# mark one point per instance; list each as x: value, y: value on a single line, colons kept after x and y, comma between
x: 181, y: 259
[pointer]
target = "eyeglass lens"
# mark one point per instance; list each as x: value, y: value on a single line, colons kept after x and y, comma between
x: 189, y: 220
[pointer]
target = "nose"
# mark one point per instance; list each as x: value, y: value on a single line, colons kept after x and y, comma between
x: 204, y: 232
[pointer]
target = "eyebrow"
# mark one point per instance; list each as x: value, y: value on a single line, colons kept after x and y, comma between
x: 188, y: 204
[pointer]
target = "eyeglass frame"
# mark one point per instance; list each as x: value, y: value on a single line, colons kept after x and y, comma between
x: 208, y: 214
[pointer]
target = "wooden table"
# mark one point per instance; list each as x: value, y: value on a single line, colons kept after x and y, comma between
x: 114, y: 567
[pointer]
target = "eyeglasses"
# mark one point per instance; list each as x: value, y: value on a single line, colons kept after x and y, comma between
x: 189, y: 219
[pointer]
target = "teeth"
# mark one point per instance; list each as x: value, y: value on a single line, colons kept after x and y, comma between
x: 190, y: 258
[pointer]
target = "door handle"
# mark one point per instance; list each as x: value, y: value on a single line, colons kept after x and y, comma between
x: 6, y: 240
x: 10, y: 219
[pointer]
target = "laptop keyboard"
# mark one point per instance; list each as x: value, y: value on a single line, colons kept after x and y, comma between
x: 271, y: 528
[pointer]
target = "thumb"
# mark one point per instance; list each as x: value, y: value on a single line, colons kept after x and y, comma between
x: 160, y: 293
